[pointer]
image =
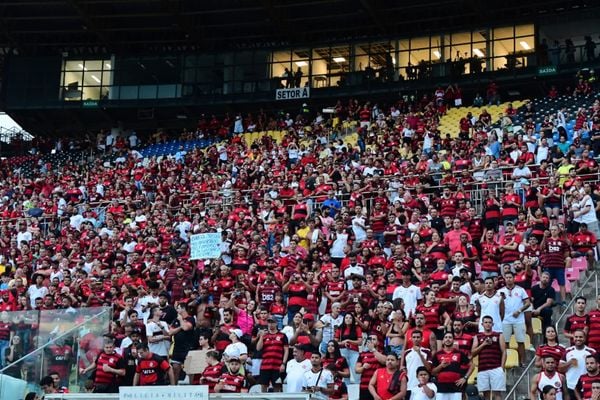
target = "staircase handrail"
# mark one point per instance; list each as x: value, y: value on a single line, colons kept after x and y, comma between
x: 512, y: 394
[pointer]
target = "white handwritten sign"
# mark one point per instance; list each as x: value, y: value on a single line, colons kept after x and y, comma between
x: 195, y: 392
x: 205, y: 245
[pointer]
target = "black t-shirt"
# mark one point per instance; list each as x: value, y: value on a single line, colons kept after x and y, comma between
x: 169, y: 314
x: 540, y: 295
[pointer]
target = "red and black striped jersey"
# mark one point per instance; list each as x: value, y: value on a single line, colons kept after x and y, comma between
x: 274, y: 345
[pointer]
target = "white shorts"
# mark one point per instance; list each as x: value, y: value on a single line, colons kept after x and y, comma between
x: 491, y: 380
x: 448, y: 396
x: 517, y: 329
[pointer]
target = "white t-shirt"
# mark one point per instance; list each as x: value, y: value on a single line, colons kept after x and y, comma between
x: 490, y: 306
x: 330, y: 325
x: 590, y: 216
x: 412, y: 362
x: 411, y: 296
x: 295, y: 375
x: 235, y: 350
x: 358, y: 224
x: 357, y: 269
x: 34, y: 292
x: 419, y: 393
x: 574, y: 372
x: 313, y: 379
x: 154, y: 329
x: 513, y: 300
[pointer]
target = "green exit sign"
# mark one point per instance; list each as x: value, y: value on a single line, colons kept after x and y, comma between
x: 547, y: 70
x: 90, y: 104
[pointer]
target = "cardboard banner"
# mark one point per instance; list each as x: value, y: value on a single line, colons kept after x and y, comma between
x: 205, y: 245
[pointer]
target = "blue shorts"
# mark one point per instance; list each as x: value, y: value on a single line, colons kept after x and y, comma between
x: 558, y: 274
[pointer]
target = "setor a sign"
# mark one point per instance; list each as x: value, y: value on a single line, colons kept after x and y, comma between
x: 293, y: 93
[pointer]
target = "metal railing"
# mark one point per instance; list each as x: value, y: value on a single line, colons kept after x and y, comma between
x: 528, y: 373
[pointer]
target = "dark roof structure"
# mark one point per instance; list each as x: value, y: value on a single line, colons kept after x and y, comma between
x: 129, y: 26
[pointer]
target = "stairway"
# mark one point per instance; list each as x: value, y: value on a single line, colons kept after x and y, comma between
x: 588, y: 290
x: 449, y: 123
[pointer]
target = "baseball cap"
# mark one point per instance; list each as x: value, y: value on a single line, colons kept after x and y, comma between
x: 234, y: 358
x: 238, y: 332
x: 309, y: 316
x: 271, y: 319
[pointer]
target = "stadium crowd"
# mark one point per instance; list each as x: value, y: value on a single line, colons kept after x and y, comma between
x: 390, y: 262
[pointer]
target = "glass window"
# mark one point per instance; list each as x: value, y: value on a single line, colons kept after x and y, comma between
x: 503, y: 33
x: 525, y: 44
x: 417, y: 56
x: 461, y: 38
x: 479, y: 36
x: 419, y: 43
x: 86, y: 79
x: 524, y: 30
x: 361, y: 56
x: 503, y: 54
x: 320, y: 64
x: 403, y: 44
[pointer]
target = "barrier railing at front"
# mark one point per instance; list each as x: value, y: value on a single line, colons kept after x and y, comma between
x: 211, y: 396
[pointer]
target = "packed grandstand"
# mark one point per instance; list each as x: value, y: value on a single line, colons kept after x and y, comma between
x: 407, y: 250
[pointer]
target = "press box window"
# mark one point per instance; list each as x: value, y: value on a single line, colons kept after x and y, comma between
x: 86, y: 79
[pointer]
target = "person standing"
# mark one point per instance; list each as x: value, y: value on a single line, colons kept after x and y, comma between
x: 448, y: 364
x: 232, y: 381
x: 594, y: 327
x: 329, y: 323
x: 274, y: 347
x: 575, y: 360
x: 490, y: 346
x: 490, y: 303
x: 554, y: 255
x: 157, y: 332
x: 410, y: 293
x: 516, y: 301
x: 151, y: 368
x: 543, y: 295
x: 211, y: 373
x: 317, y: 380
x: 388, y: 382
x: 109, y: 366
x: 414, y: 358
x: 584, y: 387
x: 549, y: 376
x: 182, y: 332
x: 295, y: 370
x: 369, y: 361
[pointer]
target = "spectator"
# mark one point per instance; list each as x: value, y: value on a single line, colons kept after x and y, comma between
x: 109, y: 366
x: 389, y: 381
x: 516, y: 301
x: 295, y: 369
x: 549, y: 376
x: 490, y: 346
x: 550, y: 347
x: 585, y: 384
x: 448, y: 364
x: 543, y: 296
x: 317, y: 381
x: 232, y: 380
x: 574, y: 364
x: 151, y: 368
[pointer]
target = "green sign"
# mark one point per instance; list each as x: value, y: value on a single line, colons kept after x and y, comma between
x: 547, y: 70
x: 90, y: 104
